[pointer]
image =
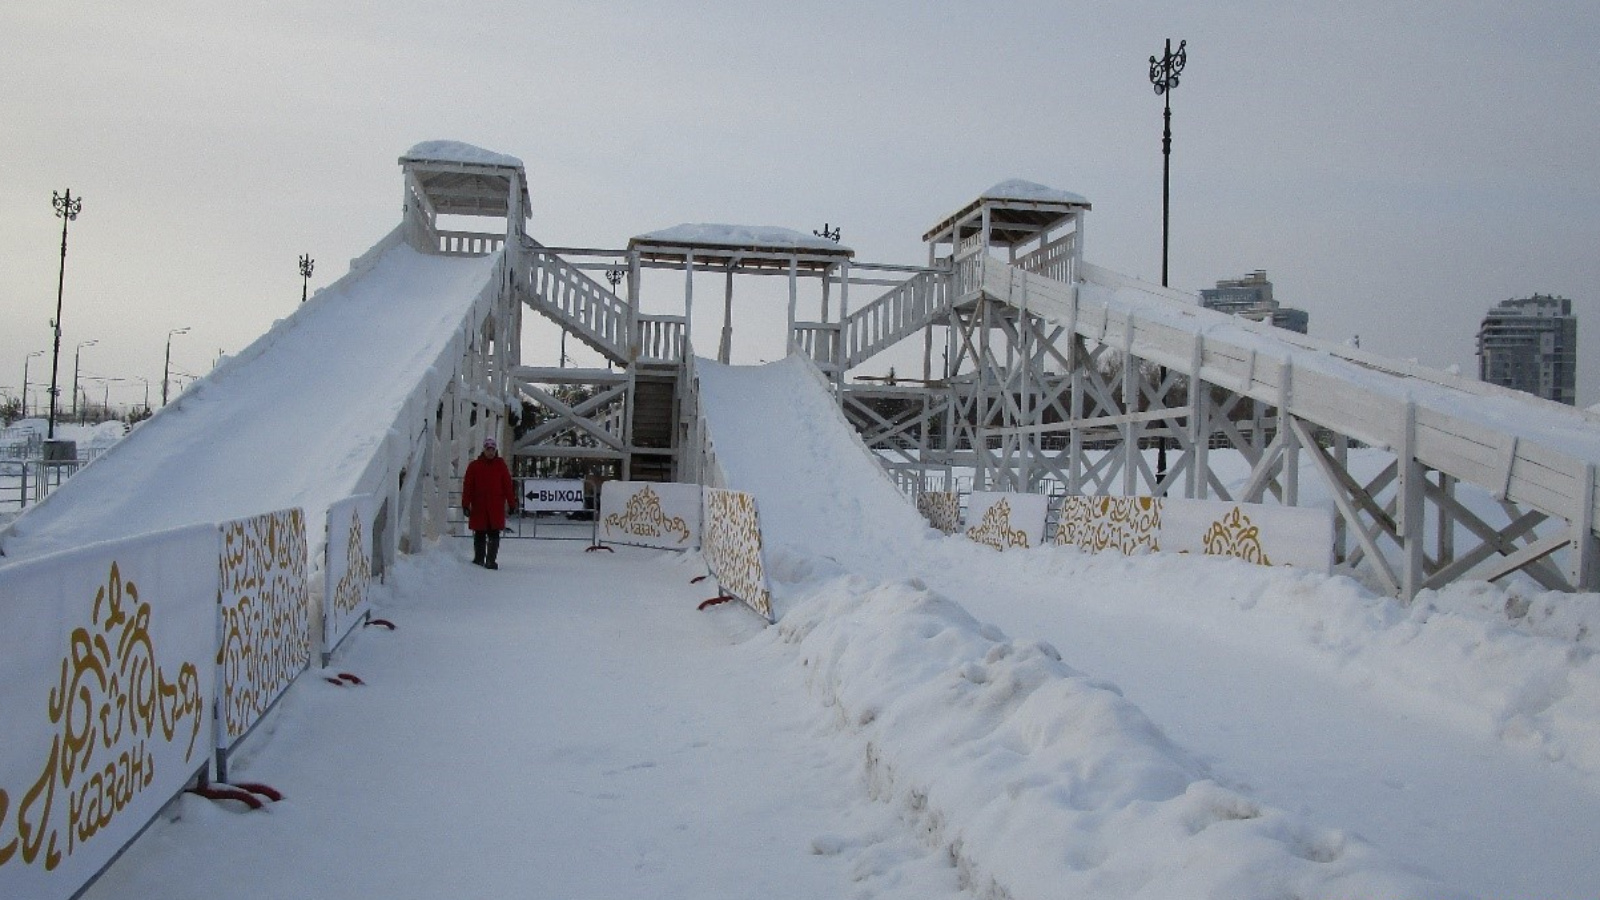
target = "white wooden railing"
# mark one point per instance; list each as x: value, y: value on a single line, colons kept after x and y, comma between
x: 468, y: 243
x: 819, y: 342
x: 600, y: 317
x: 1054, y: 260
x: 895, y: 316
x: 661, y: 338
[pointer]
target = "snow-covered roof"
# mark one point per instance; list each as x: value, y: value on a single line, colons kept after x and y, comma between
x: 458, y: 152
x: 762, y: 238
x: 1033, y: 192
x: 1019, y: 211
x: 460, y: 179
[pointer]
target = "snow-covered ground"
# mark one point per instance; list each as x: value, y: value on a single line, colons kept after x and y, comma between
x: 567, y: 727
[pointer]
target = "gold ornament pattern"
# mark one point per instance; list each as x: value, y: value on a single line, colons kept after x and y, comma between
x: 1125, y: 524
x: 1235, y: 535
x: 351, y: 591
x: 266, y: 617
x: 942, y: 509
x: 642, y: 516
x: 732, y: 547
x: 995, y: 530
x: 110, y: 703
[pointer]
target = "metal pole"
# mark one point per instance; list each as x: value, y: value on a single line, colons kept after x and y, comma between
x: 1164, y: 76
x: 166, y: 371
x: 25, y: 380
x: 67, y: 209
x: 77, y: 356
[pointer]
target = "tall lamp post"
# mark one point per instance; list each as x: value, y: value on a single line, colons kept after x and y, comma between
x: 306, y: 265
x: 76, y: 357
x: 1164, y: 74
x: 25, y: 380
x: 166, y: 370
x: 67, y: 209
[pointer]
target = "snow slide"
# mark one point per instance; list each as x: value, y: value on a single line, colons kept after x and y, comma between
x: 1036, y: 779
x: 296, y: 419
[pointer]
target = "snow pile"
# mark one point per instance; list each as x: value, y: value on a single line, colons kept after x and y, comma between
x: 1508, y: 665
x: 1041, y: 782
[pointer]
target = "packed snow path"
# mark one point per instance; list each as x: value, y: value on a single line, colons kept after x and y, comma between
x: 1441, y: 734
x: 567, y: 727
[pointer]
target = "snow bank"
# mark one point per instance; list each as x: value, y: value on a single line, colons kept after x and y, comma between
x: 1041, y: 782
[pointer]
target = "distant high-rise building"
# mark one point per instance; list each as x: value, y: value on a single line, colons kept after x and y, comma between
x: 1251, y: 297
x: 1531, y: 344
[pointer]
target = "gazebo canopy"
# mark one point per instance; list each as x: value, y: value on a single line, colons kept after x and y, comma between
x: 744, y: 247
x: 1019, y: 211
x: 463, y: 180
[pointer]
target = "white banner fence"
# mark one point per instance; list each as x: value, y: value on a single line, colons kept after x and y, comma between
x: 731, y: 545
x: 1254, y: 532
x: 1007, y: 521
x: 107, y: 678
x: 130, y: 669
x: 650, y: 514
x: 348, y: 571
x: 265, y: 621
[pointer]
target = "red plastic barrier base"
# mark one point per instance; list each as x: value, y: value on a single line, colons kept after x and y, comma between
x: 715, y: 600
x: 227, y: 792
x: 265, y: 790
x: 385, y: 623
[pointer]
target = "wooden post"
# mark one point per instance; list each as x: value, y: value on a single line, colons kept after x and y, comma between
x: 725, y: 346
x: 794, y: 299
x: 1584, y: 562
x: 1410, y: 507
x: 1197, y: 479
x: 688, y: 299
x: 1291, y: 442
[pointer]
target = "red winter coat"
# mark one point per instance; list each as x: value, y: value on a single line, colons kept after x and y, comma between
x: 487, y: 494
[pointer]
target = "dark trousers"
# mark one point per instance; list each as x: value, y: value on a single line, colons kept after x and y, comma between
x: 485, y: 547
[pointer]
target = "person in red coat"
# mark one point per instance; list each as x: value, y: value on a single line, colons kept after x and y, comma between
x: 487, y: 497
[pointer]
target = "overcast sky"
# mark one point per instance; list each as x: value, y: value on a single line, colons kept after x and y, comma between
x: 1397, y: 168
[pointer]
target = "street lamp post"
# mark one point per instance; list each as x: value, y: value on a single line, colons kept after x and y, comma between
x: 166, y: 370
x: 67, y: 209
x: 25, y: 380
x: 76, y: 357
x: 1164, y: 74
x: 306, y: 265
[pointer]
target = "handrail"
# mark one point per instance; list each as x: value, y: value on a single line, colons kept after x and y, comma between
x: 894, y: 316
x: 599, y: 316
x: 661, y: 338
x: 468, y: 243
